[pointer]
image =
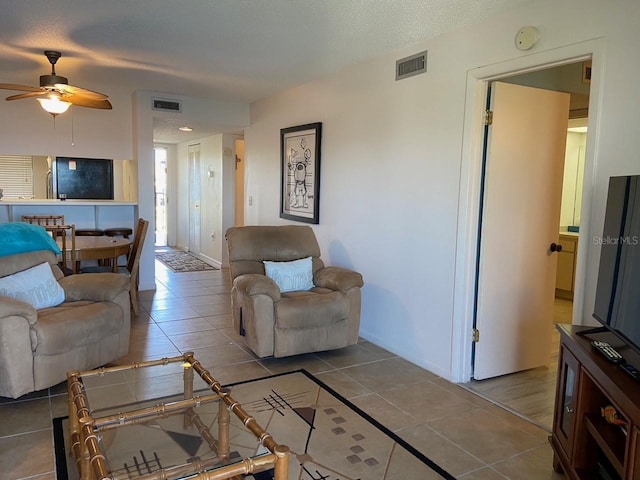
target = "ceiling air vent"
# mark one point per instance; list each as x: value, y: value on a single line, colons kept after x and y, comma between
x: 412, y: 65
x: 167, y: 105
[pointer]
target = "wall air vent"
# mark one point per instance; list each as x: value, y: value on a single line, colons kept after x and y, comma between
x: 167, y: 105
x: 412, y: 65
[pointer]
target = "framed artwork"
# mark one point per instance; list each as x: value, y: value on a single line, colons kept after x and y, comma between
x: 300, y: 172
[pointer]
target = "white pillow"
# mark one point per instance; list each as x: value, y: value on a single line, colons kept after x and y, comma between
x: 36, y: 286
x: 291, y: 276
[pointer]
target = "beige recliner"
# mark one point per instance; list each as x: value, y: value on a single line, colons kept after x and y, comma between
x: 89, y: 329
x: 324, y: 317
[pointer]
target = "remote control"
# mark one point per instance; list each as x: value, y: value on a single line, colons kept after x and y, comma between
x: 631, y: 370
x: 608, y: 351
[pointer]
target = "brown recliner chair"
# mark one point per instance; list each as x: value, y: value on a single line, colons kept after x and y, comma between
x: 280, y: 324
x: 89, y: 329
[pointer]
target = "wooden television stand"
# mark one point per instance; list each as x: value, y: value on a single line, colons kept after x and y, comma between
x: 585, y: 445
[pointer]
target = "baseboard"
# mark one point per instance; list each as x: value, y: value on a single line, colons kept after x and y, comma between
x: 146, y: 286
x: 381, y: 342
x: 210, y: 261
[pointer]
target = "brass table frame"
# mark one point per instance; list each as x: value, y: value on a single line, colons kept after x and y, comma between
x: 91, y: 461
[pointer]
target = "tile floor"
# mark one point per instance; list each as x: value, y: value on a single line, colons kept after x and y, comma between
x: 471, y: 438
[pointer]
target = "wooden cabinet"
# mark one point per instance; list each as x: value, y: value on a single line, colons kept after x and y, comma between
x: 566, y: 271
x: 569, y: 368
x: 586, y: 445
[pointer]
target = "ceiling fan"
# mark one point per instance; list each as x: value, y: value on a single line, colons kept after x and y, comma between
x: 55, y: 94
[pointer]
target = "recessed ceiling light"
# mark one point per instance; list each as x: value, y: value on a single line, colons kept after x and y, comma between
x: 185, y: 129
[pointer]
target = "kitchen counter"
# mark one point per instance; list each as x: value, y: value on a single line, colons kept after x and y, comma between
x: 55, y: 201
x: 82, y: 213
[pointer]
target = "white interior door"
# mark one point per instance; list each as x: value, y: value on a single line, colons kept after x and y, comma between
x: 520, y: 220
x: 194, y: 198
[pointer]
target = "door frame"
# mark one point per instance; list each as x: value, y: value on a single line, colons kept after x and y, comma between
x: 195, y: 187
x: 470, y: 177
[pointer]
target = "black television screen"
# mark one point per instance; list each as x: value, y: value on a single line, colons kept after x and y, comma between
x: 617, y: 301
x: 83, y: 178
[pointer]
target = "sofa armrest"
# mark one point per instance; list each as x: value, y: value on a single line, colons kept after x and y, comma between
x: 337, y: 278
x: 10, y: 307
x: 99, y: 287
x: 256, y: 284
x: 16, y: 348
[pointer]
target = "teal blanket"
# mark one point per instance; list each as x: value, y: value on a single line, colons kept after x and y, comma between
x: 20, y: 237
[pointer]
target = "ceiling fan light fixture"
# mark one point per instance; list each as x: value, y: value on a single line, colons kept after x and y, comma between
x: 55, y: 92
x: 53, y: 104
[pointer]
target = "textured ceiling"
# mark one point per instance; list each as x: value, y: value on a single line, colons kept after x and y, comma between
x: 237, y: 50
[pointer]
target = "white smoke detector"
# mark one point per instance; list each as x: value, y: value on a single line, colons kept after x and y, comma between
x: 526, y: 38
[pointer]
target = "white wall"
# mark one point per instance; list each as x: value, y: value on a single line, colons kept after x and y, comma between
x: 211, y: 196
x: 392, y: 156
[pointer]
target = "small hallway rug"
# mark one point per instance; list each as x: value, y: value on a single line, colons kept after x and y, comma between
x: 329, y: 438
x: 180, y: 261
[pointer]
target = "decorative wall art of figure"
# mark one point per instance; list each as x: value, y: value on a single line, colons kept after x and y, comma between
x: 298, y: 197
x: 300, y: 172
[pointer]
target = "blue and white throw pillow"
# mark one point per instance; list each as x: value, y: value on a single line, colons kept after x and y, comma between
x: 36, y: 286
x: 291, y: 276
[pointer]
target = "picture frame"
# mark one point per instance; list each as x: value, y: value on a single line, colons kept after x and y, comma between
x: 300, y: 172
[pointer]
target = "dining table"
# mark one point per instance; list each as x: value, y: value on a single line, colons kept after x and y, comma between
x: 99, y: 248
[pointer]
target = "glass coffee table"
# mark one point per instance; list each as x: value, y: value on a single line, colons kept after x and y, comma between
x: 157, y: 420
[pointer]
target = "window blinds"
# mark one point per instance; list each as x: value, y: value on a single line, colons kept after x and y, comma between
x: 16, y: 176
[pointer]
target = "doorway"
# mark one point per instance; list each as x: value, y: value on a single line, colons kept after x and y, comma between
x: 530, y: 393
x: 160, y: 193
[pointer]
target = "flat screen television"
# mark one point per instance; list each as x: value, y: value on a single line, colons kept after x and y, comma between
x: 83, y: 178
x: 617, y: 301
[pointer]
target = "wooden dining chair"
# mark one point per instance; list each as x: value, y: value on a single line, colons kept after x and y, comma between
x: 133, y: 263
x: 44, y: 220
x: 67, y: 236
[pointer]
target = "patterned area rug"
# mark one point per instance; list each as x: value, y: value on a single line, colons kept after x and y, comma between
x: 180, y: 261
x: 329, y: 438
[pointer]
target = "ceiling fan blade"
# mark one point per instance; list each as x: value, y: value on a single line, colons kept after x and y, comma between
x: 20, y: 96
x: 70, y: 89
x: 22, y: 88
x: 83, y: 101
